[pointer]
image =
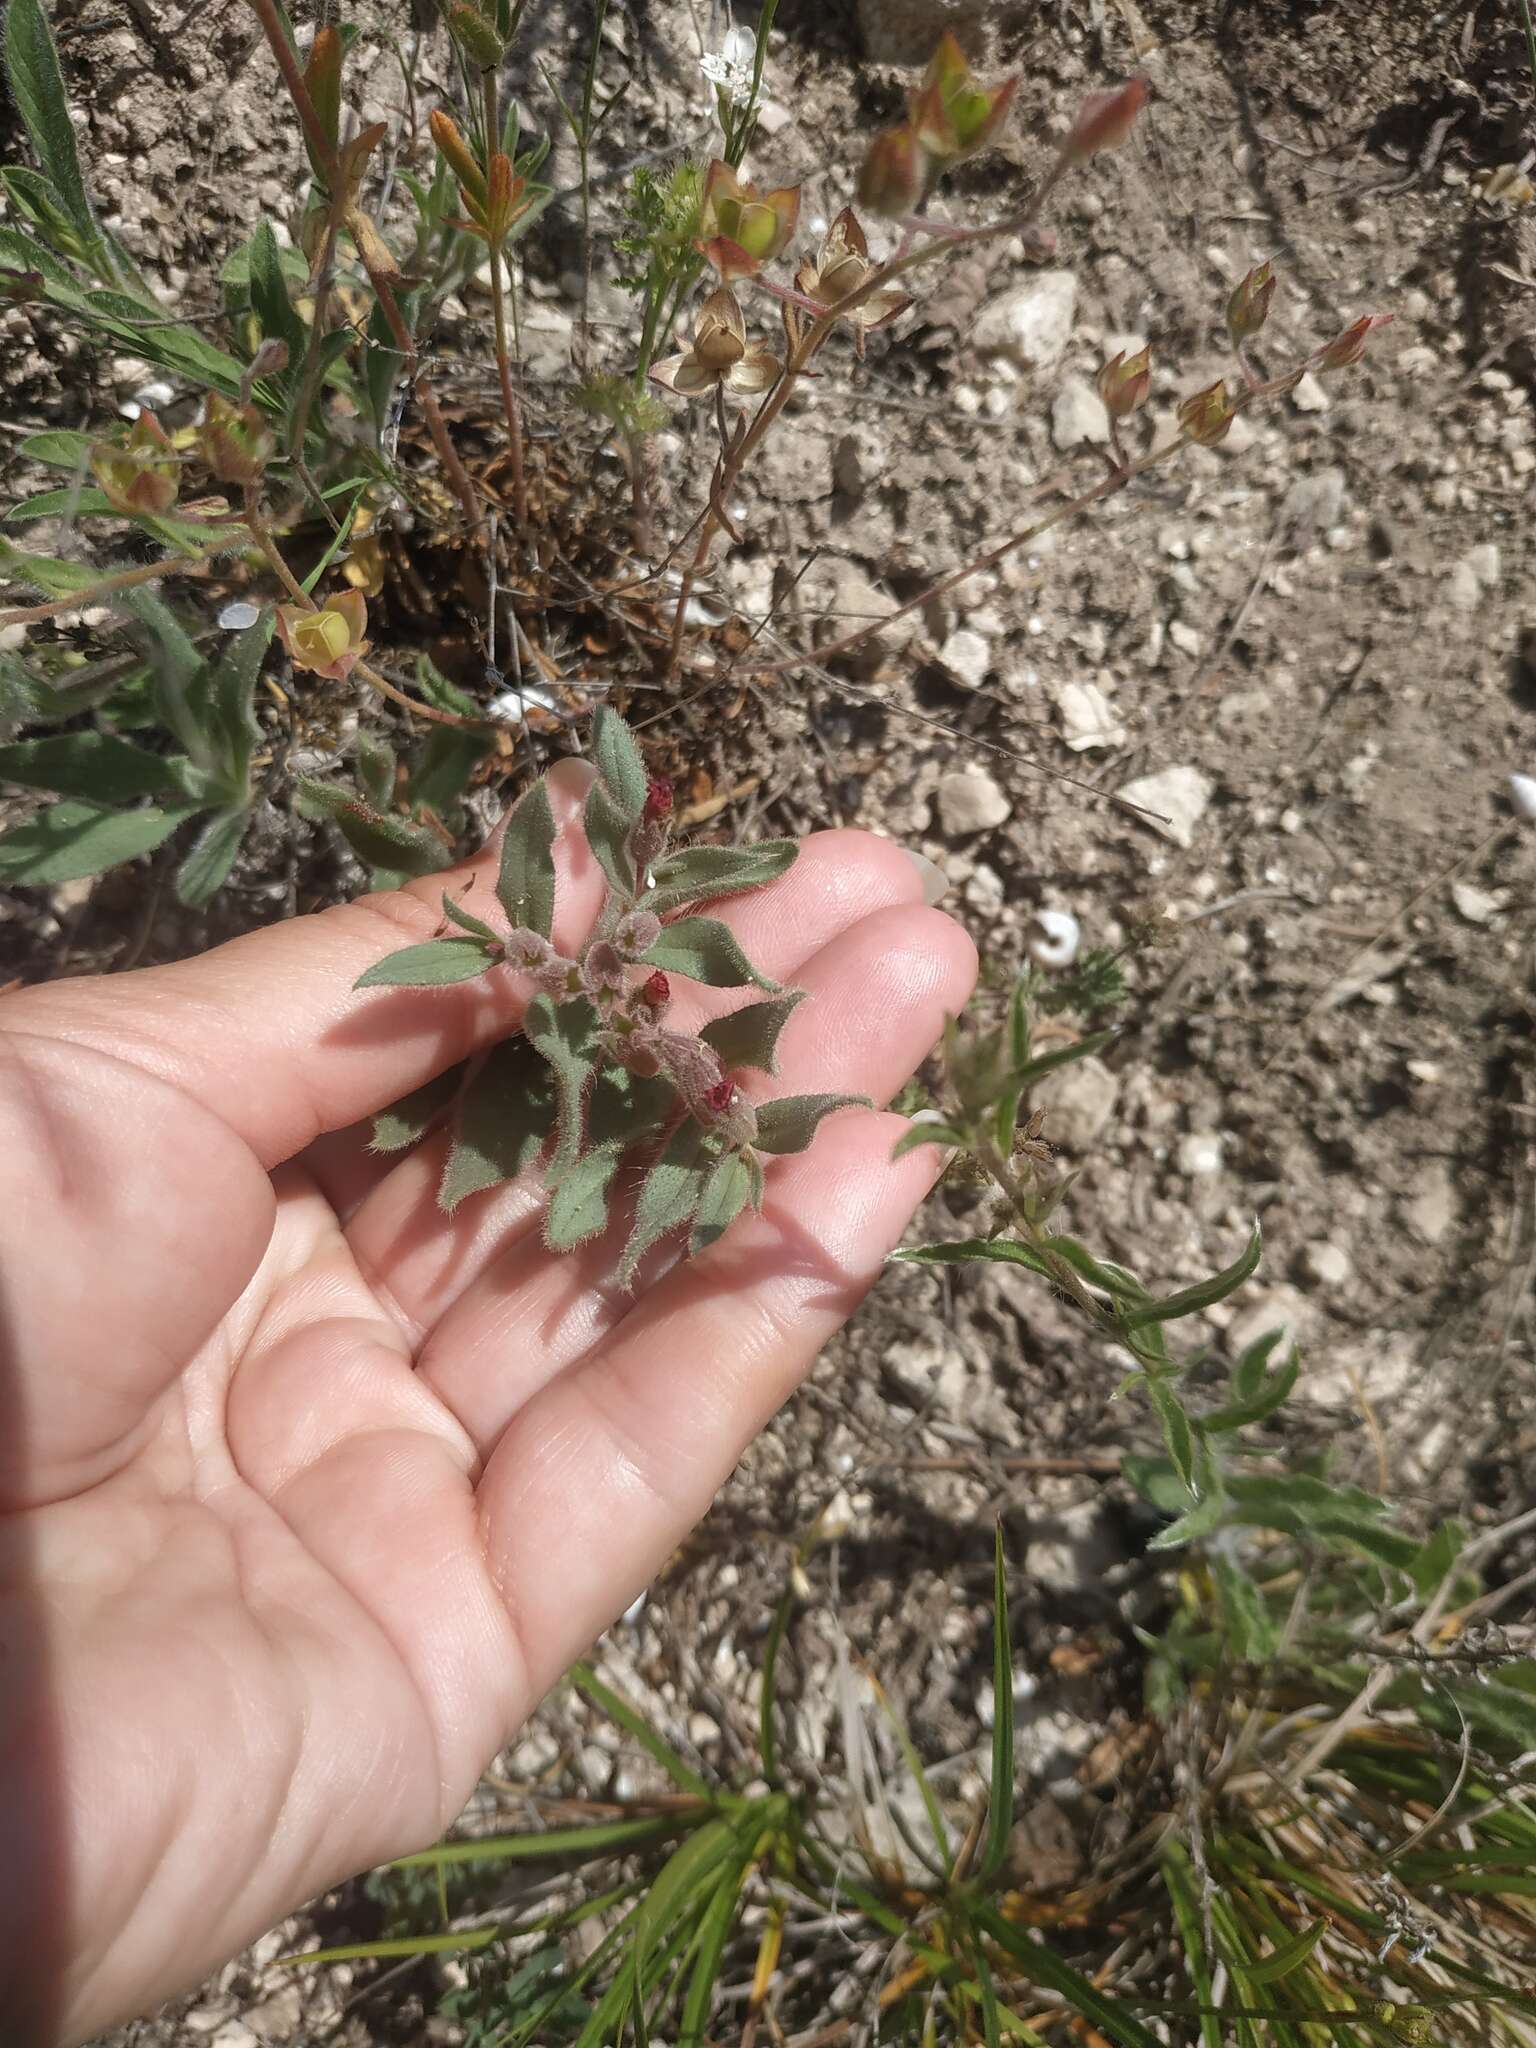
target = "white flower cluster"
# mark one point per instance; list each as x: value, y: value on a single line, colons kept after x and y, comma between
x: 730, y: 67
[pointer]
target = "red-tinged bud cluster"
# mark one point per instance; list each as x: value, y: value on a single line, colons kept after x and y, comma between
x: 718, y: 1100
x: 656, y: 991
x: 950, y: 117
x: 658, y: 802
x: 1105, y: 120
x: 1124, y: 382
x: 1349, y: 347
x: 1207, y: 417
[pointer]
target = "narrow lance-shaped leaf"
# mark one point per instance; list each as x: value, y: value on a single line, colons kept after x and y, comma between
x: 1288, y: 1957
x: 1272, y: 1394
x: 525, y: 886
x: 206, y: 868
x: 1191, y: 1300
x: 223, y: 699
x: 566, y: 1036
x: 433, y: 964
x: 790, y: 1124
x: 725, y: 1195
x: 619, y: 762
x: 409, y: 1119
x: 94, y: 765
x: 749, y: 1037
x: 71, y: 840
x: 1000, y: 1796
x: 669, y: 1194
x: 392, y: 844
x: 608, y: 830
x: 578, y: 1201
x: 503, y: 1123
x: 698, y: 874
x: 1177, y: 1431
x: 468, y: 922
x: 1005, y: 1251
x: 706, y: 951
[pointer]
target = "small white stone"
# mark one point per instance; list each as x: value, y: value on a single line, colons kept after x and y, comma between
x: 1309, y: 395
x: 237, y: 616
x: 967, y: 657
x: 1522, y: 796
x: 1282, y: 1309
x: 1078, y: 416
x: 1484, y: 562
x: 12, y: 637
x: 970, y: 801
x: 1087, y: 717
x: 1184, y: 637
x: 1031, y: 323
x: 1432, y: 1211
x: 1179, y: 795
x: 1477, y: 906
x: 1200, y: 1153
x: 1052, y: 937
x: 1325, y: 1264
x: 1078, y: 1102
x: 1427, y: 1071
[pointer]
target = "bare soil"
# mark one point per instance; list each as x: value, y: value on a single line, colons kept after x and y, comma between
x: 1330, y: 620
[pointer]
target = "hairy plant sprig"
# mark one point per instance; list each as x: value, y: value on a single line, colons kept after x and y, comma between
x: 600, y: 1075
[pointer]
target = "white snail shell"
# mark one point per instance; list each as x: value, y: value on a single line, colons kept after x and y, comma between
x: 1052, y: 937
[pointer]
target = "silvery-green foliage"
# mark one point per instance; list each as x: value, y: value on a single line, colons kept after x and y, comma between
x: 631, y: 1121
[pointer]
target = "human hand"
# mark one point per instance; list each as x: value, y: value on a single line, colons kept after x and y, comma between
x: 307, y: 1492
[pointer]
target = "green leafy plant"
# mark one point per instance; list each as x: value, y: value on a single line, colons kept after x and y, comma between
x: 597, y: 1073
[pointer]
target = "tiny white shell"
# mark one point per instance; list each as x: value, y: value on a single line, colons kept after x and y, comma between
x: 1052, y: 937
x: 237, y: 616
x: 1522, y: 794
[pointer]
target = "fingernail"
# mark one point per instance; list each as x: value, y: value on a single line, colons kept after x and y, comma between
x: 936, y: 884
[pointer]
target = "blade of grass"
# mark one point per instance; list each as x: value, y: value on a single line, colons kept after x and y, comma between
x: 1000, y: 1799
x: 768, y: 1701
x: 603, y: 1838
x: 677, y: 1768
x: 1041, y: 1965
x: 1178, y: 1879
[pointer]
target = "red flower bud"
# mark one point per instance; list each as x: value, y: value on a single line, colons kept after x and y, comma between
x: 1208, y: 416
x: 717, y: 1100
x: 895, y: 173
x: 1124, y: 382
x: 656, y: 991
x: 658, y: 802
x: 1349, y: 346
x: 1105, y: 120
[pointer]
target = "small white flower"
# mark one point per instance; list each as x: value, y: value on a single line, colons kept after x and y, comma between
x: 730, y: 67
x: 1522, y: 794
x: 1052, y: 937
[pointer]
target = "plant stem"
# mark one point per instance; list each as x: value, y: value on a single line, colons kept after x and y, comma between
x: 509, y: 399
x: 126, y: 579
x: 330, y: 164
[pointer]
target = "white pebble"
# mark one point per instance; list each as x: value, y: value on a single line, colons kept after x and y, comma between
x: 237, y: 616
x: 1522, y: 794
x: 1200, y: 1153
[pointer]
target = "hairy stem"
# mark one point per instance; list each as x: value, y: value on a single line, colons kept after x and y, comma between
x: 510, y: 405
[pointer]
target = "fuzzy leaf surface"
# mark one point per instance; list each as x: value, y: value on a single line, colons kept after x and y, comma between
x: 790, y: 1124
x: 205, y: 869
x: 565, y: 1034
x: 409, y: 1119
x: 578, y: 1202
x: 725, y: 1195
x: 670, y: 1194
x: 70, y: 840
x: 525, y: 887
x: 95, y: 765
x: 706, y: 951
x: 503, y: 1122
x: 433, y: 964
x: 749, y: 1037
x: 619, y: 763
x: 698, y: 874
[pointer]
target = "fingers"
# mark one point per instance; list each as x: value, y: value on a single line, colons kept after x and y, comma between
x: 877, y: 999
x: 616, y: 1460
x: 267, y: 1030
x: 424, y: 1262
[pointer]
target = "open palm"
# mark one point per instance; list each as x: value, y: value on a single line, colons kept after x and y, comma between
x: 308, y: 1493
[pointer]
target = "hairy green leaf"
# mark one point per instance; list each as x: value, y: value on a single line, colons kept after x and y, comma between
x: 206, y: 867
x: 94, y: 765
x: 619, y: 762
x: 1248, y: 1373
x: 1271, y: 1394
x: 925, y: 1133
x: 1177, y: 1432
x: 59, y: 448
x: 1288, y: 1957
x: 468, y: 922
x: 705, y: 950
x: 223, y: 702
x: 430, y: 965
x: 383, y: 842
x: 608, y: 830
x: 1006, y: 1251
x: 503, y: 1122
x: 1251, y: 1627
x: 578, y: 1201
x: 1190, y: 1301
x: 409, y: 1119
x: 441, y: 772
x: 273, y: 308
x: 722, y: 1200
x: 1000, y: 1791
x: 670, y: 1193
x: 70, y: 840
x: 749, y: 1037
x: 698, y: 874
x: 565, y: 1034
x: 790, y: 1124
x: 50, y: 574
x: 525, y: 886
x: 78, y: 500
x: 37, y: 83
x: 375, y: 762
